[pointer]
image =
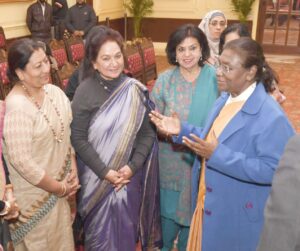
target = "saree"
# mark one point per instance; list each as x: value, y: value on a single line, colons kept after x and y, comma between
x: 116, y: 220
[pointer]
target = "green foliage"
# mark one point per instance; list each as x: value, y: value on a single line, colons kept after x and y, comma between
x: 242, y: 8
x: 138, y: 9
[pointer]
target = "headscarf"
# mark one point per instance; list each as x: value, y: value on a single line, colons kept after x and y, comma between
x: 213, y: 44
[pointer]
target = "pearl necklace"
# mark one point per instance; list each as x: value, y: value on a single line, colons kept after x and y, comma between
x: 62, y: 128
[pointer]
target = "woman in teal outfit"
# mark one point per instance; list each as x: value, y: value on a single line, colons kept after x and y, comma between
x: 187, y: 90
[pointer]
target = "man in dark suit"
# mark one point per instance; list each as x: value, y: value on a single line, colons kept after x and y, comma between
x: 281, y: 230
x: 39, y: 20
x: 60, y: 8
x: 80, y: 19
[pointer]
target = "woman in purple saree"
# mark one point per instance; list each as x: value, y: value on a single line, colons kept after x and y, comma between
x: 117, y: 151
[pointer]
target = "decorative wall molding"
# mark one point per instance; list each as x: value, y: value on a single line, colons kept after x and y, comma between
x: 15, y: 30
x: 17, y: 26
x: 166, y: 26
x: 150, y: 26
x: 175, y: 9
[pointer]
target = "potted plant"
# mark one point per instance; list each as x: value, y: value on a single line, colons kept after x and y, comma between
x: 242, y: 8
x: 138, y: 9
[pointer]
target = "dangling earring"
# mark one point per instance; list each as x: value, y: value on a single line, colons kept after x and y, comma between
x: 176, y: 60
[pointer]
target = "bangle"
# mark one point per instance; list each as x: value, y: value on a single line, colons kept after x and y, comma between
x: 64, y: 190
x: 6, y: 208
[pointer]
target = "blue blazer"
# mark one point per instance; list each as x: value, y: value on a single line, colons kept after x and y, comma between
x: 240, y: 171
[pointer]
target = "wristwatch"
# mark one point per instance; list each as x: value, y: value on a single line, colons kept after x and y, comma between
x: 6, y: 208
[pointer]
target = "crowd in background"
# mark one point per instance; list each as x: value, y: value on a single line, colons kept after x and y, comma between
x: 76, y: 20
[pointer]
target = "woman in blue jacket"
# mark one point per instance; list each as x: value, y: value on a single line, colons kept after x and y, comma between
x: 239, y: 148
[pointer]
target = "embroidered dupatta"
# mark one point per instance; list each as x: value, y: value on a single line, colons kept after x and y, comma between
x: 203, y: 99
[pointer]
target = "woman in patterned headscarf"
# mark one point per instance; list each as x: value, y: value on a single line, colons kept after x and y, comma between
x: 212, y: 25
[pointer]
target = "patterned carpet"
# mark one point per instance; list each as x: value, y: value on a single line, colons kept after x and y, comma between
x: 289, y: 79
x: 289, y: 82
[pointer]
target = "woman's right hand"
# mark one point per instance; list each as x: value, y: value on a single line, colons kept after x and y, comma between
x: 72, y: 178
x: 68, y: 187
x: 71, y: 187
x: 166, y: 125
x: 13, y: 212
x: 116, y: 179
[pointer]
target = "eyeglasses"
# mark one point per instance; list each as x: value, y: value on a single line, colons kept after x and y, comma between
x: 216, y: 23
x: 224, y: 68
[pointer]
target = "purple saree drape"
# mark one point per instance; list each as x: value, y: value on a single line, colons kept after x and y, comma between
x: 116, y: 220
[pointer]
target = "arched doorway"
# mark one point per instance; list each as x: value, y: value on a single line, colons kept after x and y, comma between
x: 279, y: 26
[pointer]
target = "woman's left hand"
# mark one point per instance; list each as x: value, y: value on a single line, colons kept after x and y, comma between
x: 200, y: 146
x: 72, y: 177
x: 125, y: 172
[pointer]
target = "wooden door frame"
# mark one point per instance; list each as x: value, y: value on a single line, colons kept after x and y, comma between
x: 261, y: 20
x: 271, y: 48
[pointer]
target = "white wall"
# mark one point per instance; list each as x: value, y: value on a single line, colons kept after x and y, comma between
x: 109, y: 8
x: 13, y: 15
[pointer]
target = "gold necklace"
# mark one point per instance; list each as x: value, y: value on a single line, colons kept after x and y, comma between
x: 62, y: 128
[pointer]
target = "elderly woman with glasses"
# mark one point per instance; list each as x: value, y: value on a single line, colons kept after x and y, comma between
x: 212, y: 25
x: 238, y: 148
x: 239, y: 30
